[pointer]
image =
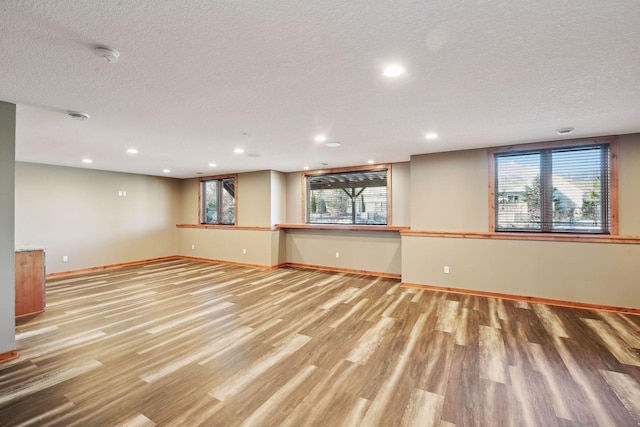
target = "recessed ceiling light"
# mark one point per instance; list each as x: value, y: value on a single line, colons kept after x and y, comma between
x: 212, y: 165
x: 393, y: 71
x: 253, y: 155
x: 166, y: 170
x: 78, y: 115
x: 132, y: 151
x: 239, y: 150
x: 320, y: 138
x: 87, y: 161
x: 332, y: 144
x: 370, y: 162
x: 324, y: 164
x: 107, y: 53
x: 431, y: 135
x: 565, y: 131
x: 306, y: 168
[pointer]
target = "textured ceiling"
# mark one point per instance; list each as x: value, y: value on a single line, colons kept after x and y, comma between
x: 197, y: 79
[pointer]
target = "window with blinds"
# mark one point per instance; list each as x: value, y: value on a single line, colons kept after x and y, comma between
x: 561, y: 189
x: 218, y: 200
x: 349, y: 197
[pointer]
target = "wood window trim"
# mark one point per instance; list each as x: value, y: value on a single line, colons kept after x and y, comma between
x: 235, y: 198
x: 303, y: 187
x: 612, y: 141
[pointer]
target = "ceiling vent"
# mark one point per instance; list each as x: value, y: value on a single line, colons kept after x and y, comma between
x: 565, y: 131
x: 78, y: 115
x: 110, y: 55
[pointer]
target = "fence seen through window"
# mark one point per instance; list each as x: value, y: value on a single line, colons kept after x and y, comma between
x: 350, y: 197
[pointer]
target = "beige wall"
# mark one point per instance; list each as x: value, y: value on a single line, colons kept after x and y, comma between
x: 400, y: 193
x: 449, y: 193
x: 294, y: 198
x: 629, y: 184
x: 367, y: 251
x: 254, y: 199
x: 260, y: 202
x: 7, y: 216
x: 228, y: 245
x: 372, y: 251
x: 278, y: 198
x: 77, y: 213
x: 189, y: 208
x: 595, y: 273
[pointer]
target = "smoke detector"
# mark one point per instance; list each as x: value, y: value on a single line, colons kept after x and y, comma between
x: 110, y: 55
x: 78, y: 115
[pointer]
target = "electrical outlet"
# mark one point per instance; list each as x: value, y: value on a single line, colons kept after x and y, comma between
x: 65, y: 258
x: 337, y: 254
x: 244, y: 252
x: 446, y: 269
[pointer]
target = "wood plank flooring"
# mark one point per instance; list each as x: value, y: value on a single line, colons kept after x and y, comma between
x: 186, y: 343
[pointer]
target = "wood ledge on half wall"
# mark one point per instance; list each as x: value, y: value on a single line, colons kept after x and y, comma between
x: 224, y: 227
x: 341, y: 227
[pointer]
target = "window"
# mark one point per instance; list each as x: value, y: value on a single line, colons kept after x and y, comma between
x: 563, y: 187
x: 348, y: 196
x: 218, y: 200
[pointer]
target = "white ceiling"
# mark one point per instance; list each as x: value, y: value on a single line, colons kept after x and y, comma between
x: 198, y: 78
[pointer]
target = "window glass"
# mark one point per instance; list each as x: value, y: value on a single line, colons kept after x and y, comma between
x: 218, y: 201
x: 553, y: 190
x: 350, y: 197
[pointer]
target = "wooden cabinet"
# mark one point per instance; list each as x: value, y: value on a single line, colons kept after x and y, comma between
x: 30, y: 297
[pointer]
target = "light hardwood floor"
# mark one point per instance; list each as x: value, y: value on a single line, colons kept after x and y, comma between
x: 186, y: 343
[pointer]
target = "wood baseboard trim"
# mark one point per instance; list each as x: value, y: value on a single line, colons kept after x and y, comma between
x: 342, y: 270
x: 107, y: 267
x: 239, y: 264
x: 8, y: 355
x: 34, y: 313
x: 520, y: 298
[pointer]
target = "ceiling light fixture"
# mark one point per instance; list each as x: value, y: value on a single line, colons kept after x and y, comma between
x: 565, y: 131
x: 431, y: 136
x: 132, y: 151
x: 370, y: 162
x: 107, y: 53
x: 77, y: 115
x: 239, y: 150
x: 320, y: 138
x: 166, y: 170
x: 393, y: 71
x: 87, y: 161
x: 306, y: 168
x: 212, y: 165
x: 332, y: 144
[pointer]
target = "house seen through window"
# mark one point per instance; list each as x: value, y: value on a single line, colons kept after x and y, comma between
x: 218, y: 200
x: 348, y: 197
x: 554, y: 189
